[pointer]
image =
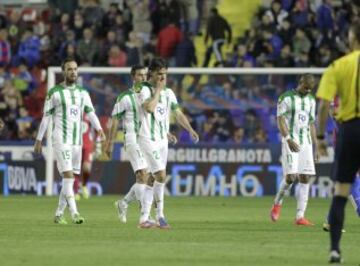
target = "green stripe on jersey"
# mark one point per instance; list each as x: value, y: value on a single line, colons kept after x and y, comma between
x: 292, y: 119
x: 301, y: 130
x: 74, y: 124
x: 152, y: 127
x: 81, y: 115
x: 64, y: 118
x: 131, y: 95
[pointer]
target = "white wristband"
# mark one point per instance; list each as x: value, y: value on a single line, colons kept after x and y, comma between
x: 287, y: 138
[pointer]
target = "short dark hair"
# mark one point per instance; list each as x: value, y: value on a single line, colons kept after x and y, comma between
x: 355, y: 28
x: 157, y: 64
x: 136, y: 68
x: 305, y: 76
x: 65, y: 61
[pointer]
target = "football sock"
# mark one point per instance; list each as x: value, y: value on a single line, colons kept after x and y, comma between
x: 139, y: 191
x: 283, y: 188
x: 159, y: 197
x: 336, y: 220
x: 85, y: 177
x: 302, y: 200
x: 62, y: 202
x: 130, y: 196
x: 146, y: 203
x: 68, y: 191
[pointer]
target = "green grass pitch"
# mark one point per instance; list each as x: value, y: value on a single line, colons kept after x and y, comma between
x: 206, y: 231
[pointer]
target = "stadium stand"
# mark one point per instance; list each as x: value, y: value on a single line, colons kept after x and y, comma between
x: 234, y: 109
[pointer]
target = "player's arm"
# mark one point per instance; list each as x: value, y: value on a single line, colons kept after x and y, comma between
x: 94, y: 120
x: 49, y: 108
x: 182, y: 120
x: 150, y: 103
x: 282, y: 109
x: 326, y: 93
x: 114, y: 124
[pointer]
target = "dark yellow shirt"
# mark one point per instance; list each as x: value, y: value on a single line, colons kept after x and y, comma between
x: 342, y: 78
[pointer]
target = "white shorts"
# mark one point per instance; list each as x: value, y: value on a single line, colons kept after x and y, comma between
x: 156, y: 154
x: 68, y: 158
x: 136, y: 157
x: 301, y: 162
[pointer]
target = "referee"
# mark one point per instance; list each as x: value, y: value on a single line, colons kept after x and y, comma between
x: 342, y: 79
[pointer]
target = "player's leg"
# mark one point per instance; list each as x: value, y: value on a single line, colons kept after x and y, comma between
x: 302, y: 200
x: 347, y: 163
x: 59, y: 213
x: 159, y: 187
x: 69, y: 178
x: 85, y: 172
x: 288, y: 162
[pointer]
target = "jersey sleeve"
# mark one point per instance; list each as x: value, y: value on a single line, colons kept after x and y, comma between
x: 49, y: 105
x: 88, y: 106
x: 173, y: 100
x: 119, y: 109
x: 282, y: 107
x: 328, y: 88
x: 144, y: 94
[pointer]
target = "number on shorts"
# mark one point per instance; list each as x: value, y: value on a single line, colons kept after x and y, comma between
x: 156, y: 155
x: 66, y: 155
x: 289, y: 158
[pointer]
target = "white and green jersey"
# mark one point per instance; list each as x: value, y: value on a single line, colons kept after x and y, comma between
x: 155, y: 126
x: 127, y: 108
x: 299, y: 113
x: 66, y: 105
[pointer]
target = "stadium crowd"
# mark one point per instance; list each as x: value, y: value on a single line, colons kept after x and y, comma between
x: 225, y: 108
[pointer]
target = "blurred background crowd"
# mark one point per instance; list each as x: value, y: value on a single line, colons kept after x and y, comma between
x: 188, y: 33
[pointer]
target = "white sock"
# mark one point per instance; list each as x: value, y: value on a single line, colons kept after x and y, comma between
x: 159, y: 198
x: 130, y: 196
x: 62, y: 204
x: 302, y: 200
x: 146, y: 203
x: 282, y: 190
x: 68, y: 190
x: 139, y: 191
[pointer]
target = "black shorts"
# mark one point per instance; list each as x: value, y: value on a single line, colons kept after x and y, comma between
x: 347, y: 152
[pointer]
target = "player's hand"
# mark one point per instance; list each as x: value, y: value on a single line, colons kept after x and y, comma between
x: 294, y: 147
x: 194, y: 136
x: 101, y: 135
x: 107, y: 149
x: 322, y: 147
x: 38, y: 147
x: 160, y: 84
x: 172, y: 138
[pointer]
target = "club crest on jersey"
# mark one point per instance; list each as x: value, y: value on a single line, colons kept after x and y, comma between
x: 74, y: 112
x: 160, y: 112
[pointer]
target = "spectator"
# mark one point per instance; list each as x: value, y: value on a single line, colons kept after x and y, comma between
x: 276, y: 14
x: 29, y: 48
x: 251, y: 124
x: 302, y: 60
x: 117, y: 57
x: 93, y: 14
x: 4, y: 76
x: 273, y: 44
x: 191, y: 16
x: 141, y: 18
x: 217, y: 28
x: 5, y: 49
x: 301, y: 43
x: 286, y: 32
x: 185, y: 54
x: 121, y: 28
x: 110, y: 17
x: 70, y: 52
x: 165, y: 11
x: 241, y: 56
x: 168, y: 38
x: 134, y: 49
x: 70, y: 39
x: 267, y: 24
x: 325, y: 17
x: 106, y: 45
x: 299, y: 15
x: 260, y: 136
x: 285, y: 59
x: 87, y: 48
x: 23, y: 80
x: 24, y: 124
x: 79, y: 26
x: 238, y: 135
